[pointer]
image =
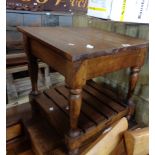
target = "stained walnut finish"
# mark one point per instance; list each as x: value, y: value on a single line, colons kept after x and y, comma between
x: 81, y: 54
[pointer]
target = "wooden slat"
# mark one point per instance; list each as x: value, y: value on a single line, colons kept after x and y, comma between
x: 63, y: 90
x: 84, y: 122
x: 18, y: 55
x: 92, y: 114
x: 16, y: 62
x: 103, y: 109
x: 86, y: 109
x: 105, y: 91
x: 104, y: 99
x: 22, y: 68
x: 16, y: 59
x: 55, y: 116
x: 58, y: 99
x: 13, y: 131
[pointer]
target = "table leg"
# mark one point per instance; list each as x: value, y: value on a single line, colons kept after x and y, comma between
x: 75, y: 107
x: 134, y: 74
x: 33, y: 70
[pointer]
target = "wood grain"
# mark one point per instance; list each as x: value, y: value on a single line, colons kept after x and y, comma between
x: 137, y: 141
x: 72, y: 44
x: 13, y: 131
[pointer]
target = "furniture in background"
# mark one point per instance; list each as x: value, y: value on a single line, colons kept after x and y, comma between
x: 18, y: 81
x: 16, y: 61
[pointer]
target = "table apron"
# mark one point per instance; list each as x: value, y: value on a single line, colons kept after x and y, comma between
x: 49, y: 56
x: 106, y: 64
x: 92, y: 67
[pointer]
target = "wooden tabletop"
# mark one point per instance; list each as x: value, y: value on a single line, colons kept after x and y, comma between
x: 82, y: 43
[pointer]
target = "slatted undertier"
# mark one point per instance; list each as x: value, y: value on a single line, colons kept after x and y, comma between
x: 100, y: 107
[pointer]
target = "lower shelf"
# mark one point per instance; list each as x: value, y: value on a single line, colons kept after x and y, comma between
x: 43, y: 138
x: 101, y: 107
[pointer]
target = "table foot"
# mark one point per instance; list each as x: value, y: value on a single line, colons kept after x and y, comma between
x: 32, y: 95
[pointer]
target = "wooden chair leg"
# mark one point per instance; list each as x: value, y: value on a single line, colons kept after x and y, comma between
x: 134, y: 74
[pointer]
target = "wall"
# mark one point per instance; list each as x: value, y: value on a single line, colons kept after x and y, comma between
x: 16, y: 18
x: 119, y: 79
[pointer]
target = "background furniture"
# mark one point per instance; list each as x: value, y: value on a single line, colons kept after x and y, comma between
x: 18, y: 82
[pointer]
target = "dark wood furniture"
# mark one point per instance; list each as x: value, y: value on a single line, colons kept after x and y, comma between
x: 81, y: 54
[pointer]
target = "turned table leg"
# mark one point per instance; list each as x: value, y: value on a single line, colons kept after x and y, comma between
x: 134, y: 74
x: 33, y: 71
x: 75, y: 107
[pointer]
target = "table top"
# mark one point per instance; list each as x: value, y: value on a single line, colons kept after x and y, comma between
x: 82, y: 43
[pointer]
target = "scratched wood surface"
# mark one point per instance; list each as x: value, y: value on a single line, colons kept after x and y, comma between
x: 81, y: 43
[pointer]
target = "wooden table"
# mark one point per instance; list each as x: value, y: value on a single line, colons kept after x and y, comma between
x: 81, y: 54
